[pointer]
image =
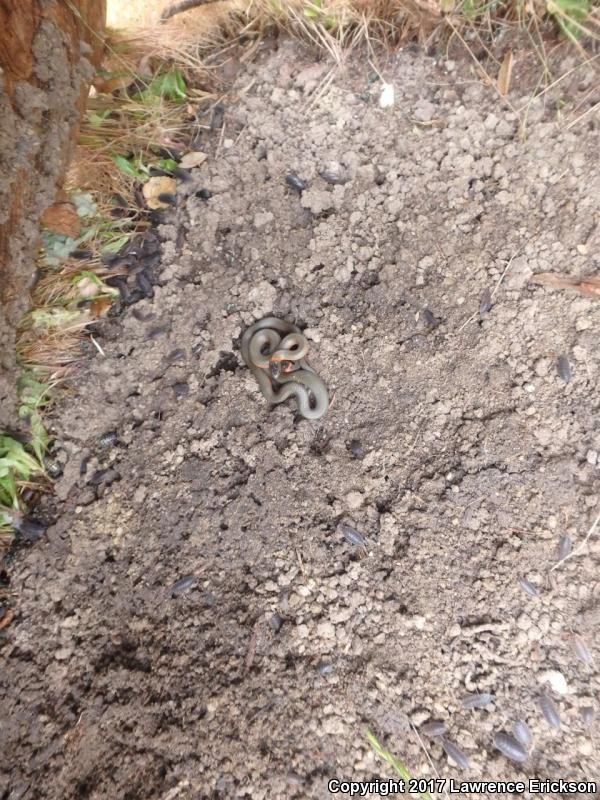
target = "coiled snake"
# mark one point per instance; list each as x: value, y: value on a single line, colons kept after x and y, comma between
x: 274, y: 351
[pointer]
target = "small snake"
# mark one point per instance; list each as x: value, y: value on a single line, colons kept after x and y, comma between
x: 274, y: 351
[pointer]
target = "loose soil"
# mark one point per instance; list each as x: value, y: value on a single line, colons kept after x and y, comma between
x: 474, y: 452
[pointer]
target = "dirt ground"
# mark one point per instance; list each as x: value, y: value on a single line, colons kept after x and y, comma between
x: 472, y: 452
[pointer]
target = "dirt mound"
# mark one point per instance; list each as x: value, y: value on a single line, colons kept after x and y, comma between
x: 454, y: 445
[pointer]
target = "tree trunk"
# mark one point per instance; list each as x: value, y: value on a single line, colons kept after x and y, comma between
x: 48, y: 50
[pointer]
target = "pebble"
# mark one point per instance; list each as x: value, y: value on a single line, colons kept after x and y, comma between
x: 354, y: 500
x: 356, y: 449
x: 326, y: 630
x: 564, y: 369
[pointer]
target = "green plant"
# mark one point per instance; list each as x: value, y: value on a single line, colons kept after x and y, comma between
x: 396, y: 765
x: 34, y: 396
x: 569, y: 15
x: 16, y: 466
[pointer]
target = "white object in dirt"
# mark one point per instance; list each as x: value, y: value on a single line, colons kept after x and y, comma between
x: 386, y: 98
x: 556, y: 681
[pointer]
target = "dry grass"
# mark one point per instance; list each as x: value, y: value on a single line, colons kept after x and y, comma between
x: 337, y: 26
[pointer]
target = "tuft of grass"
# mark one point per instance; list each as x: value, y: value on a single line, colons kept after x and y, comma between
x: 337, y: 26
x: 390, y: 759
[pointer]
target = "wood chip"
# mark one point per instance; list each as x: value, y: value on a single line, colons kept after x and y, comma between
x: 505, y: 73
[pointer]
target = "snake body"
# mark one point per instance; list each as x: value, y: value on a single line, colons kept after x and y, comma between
x: 274, y: 351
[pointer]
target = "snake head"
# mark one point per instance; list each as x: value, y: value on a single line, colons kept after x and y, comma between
x: 277, y: 368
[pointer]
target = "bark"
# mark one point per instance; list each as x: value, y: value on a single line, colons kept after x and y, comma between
x: 48, y: 50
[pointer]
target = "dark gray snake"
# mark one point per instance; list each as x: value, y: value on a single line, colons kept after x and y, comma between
x: 274, y: 351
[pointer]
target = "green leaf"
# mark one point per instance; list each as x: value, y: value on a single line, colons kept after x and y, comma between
x: 55, y: 317
x: 398, y: 766
x: 167, y: 164
x: 168, y: 85
x: 128, y: 168
x: 116, y: 244
x: 96, y: 119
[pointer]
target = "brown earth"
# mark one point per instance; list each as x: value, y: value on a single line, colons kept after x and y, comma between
x: 477, y: 452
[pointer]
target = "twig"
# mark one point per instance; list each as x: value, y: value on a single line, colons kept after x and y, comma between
x: 580, y: 547
x: 183, y: 5
x: 97, y: 346
x: 426, y: 751
x: 494, y: 290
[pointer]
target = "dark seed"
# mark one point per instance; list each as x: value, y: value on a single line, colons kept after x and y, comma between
x: 587, y: 714
x: 476, y: 700
x: 144, y: 283
x: 356, y: 448
x: 528, y: 587
x: 510, y: 747
x: 486, y: 302
x: 176, y: 355
x: 522, y: 733
x: 108, y: 439
x: 133, y: 297
x: 181, y: 174
x: 204, y: 194
x: 429, y: 318
x: 276, y: 623
x: 564, y: 547
x: 456, y: 754
x: 104, y: 476
x: 30, y: 530
x: 181, y: 389
x: 433, y: 729
x: 333, y: 178
x: 295, y: 182
x: 217, y: 118
x: 549, y: 710
x: 169, y: 199
x: 564, y: 369
x: 184, y: 585
x: 351, y: 535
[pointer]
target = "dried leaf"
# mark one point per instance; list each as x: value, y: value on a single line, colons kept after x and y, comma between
x: 62, y: 218
x: 158, y: 186
x: 585, y: 286
x: 100, y: 306
x: 505, y: 73
x: 192, y: 159
x: 113, y: 83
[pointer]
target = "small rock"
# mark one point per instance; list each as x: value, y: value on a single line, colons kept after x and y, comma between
x: 181, y: 389
x: 276, y: 623
x: 356, y: 448
x: 354, y: 500
x: 556, y: 681
x: 325, y: 630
